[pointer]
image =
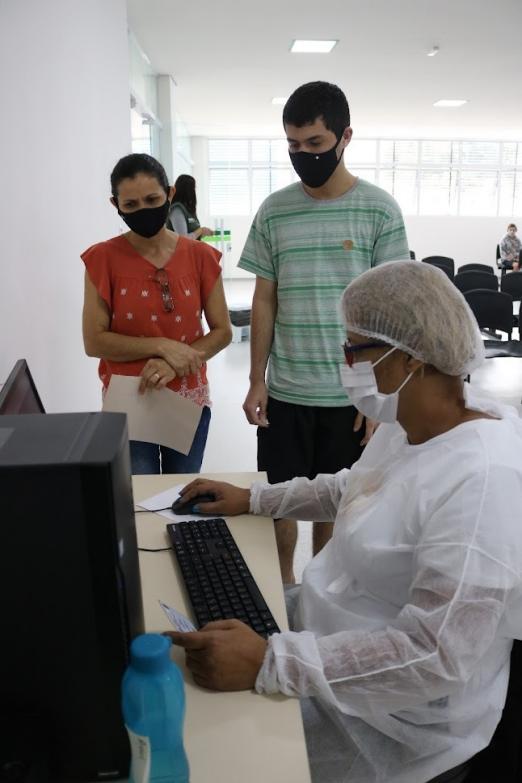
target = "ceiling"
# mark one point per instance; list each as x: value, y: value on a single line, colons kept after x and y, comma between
x: 229, y: 58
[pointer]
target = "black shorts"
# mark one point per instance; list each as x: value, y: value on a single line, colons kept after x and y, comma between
x: 305, y: 440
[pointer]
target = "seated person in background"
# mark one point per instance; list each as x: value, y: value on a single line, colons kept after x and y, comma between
x: 182, y: 216
x: 510, y: 247
x: 404, y: 623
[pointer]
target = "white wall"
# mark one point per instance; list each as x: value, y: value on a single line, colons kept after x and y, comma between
x: 466, y: 239
x: 64, y: 87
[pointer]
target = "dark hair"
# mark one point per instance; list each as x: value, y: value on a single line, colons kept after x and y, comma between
x: 186, y: 192
x: 138, y: 163
x: 318, y: 100
x: 512, y: 225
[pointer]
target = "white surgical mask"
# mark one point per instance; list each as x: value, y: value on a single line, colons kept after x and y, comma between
x: 360, y: 384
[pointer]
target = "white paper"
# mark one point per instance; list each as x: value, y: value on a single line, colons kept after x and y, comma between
x: 177, y: 619
x: 158, y: 416
x: 165, y: 499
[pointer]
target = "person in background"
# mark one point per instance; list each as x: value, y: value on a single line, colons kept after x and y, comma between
x: 182, y: 216
x: 145, y: 295
x: 306, y: 243
x: 403, y: 626
x: 510, y: 247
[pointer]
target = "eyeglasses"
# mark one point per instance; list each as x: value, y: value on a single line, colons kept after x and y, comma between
x: 350, y: 350
x: 162, y: 278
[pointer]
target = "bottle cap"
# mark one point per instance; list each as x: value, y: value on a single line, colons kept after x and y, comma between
x: 150, y: 652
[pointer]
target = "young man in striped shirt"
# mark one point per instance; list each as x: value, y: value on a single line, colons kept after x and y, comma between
x: 307, y: 242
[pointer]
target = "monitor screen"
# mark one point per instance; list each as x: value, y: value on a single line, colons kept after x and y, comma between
x: 18, y: 394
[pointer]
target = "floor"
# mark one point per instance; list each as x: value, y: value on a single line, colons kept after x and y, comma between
x: 232, y: 441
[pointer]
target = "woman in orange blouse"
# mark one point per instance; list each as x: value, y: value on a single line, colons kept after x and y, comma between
x: 145, y: 294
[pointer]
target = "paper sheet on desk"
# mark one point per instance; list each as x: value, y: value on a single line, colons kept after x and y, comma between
x: 165, y: 499
x: 160, y: 416
x: 178, y: 620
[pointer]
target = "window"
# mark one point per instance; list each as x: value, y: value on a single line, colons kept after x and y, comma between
x: 243, y: 172
x: 427, y: 177
x: 140, y: 133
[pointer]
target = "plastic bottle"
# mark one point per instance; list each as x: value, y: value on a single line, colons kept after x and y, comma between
x: 153, y: 704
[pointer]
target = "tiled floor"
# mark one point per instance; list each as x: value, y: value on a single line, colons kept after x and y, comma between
x: 232, y: 441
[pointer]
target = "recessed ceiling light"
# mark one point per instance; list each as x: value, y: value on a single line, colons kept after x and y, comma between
x: 433, y: 51
x: 447, y: 103
x: 279, y: 101
x: 300, y: 46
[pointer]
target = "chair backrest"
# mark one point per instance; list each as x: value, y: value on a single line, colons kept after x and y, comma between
x: 512, y: 284
x: 476, y: 268
x: 502, y: 759
x: 497, y: 255
x: 441, y: 261
x: 412, y: 255
x: 468, y: 281
x: 492, y: 309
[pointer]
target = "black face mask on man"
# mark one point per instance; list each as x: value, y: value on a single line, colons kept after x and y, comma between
x: 148, y: 221
x: 316, y: 168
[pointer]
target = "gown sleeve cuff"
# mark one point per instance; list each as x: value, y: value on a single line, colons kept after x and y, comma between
x: 256, y: 491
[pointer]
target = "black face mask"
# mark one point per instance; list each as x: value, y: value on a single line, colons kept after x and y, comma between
x: 314, y: 169
x: 148, y: 221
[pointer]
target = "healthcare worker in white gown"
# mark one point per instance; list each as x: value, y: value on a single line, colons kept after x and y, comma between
x: 405, y: 620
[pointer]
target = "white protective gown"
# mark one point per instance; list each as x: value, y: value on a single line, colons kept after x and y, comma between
x: 405, y: 620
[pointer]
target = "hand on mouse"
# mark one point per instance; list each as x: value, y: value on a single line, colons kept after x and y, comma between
x: 229, y: 500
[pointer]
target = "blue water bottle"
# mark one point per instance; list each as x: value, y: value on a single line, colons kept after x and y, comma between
x: 153, y: 704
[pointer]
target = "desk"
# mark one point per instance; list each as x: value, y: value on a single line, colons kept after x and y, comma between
x: 229, y: 737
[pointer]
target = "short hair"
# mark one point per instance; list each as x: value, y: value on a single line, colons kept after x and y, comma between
x: 185, y: 192
x: 316, y: 100
x: 512, y: 225
x: 138, y: 163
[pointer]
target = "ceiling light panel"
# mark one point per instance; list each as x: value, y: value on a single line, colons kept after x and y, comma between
x: 301, y: 46
x: 450, y: 103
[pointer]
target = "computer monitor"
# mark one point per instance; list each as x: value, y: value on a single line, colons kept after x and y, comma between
x: 18, y: 394
x: 70, y: 594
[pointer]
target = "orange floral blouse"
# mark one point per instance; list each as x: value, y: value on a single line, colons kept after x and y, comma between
x: 125, y: 281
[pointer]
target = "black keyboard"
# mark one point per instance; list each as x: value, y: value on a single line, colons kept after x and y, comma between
x: 218, y: 581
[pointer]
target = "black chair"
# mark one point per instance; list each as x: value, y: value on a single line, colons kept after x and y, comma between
x: 492, y: 309
x: 469, y: 281
x: 476, y: 268
x: 512, y: 284
x: 502, y: 349
x: 412, y: 255
x: 497, y: 258
x: 441, y: 261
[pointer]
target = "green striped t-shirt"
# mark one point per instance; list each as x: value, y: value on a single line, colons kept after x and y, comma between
x: 313, y: 248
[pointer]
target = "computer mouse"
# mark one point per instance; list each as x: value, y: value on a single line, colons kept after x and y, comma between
x: 181, y: 506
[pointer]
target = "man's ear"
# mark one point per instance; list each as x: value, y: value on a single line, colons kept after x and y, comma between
x: 172, y: 190
x: 347, y: 136
x: 113, y: 202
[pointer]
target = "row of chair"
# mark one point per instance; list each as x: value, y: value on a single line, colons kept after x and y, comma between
x: 446, y: 263
x: 472, y: 276
x: 492, y: 308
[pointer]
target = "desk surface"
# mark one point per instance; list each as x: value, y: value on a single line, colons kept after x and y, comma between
x: 232, y: 737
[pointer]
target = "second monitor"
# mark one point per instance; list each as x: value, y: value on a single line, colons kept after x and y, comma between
x: 70, y: 594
